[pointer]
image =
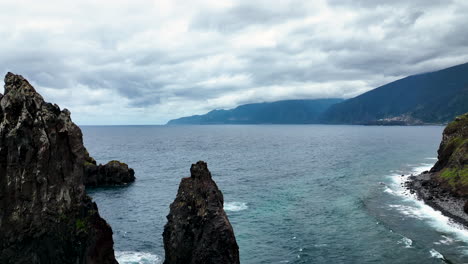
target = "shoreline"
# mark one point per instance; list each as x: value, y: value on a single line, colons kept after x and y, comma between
x: 430, y: 192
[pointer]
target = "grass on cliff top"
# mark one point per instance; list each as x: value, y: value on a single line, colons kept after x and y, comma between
x: 457, y: 124
x: 456, y: 176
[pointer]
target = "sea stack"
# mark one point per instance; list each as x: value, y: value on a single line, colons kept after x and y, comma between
x: 113, y: 173
x: 45, y: 214
x: 198, y: 230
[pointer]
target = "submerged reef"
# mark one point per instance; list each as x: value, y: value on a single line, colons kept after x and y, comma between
x: 45, y: 214
x: 198, y: 230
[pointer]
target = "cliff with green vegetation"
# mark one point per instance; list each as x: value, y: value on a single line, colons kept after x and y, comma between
x: 445, y: 186
x: 451, y: 168
x: 433, y: 97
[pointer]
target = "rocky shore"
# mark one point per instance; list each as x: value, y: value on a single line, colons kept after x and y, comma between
x: 431, y: 192
x: 445, y: 186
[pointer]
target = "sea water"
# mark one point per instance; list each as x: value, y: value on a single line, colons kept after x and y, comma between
x: 293, y: 193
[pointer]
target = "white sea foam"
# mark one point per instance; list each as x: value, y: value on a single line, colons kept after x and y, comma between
x: 133, y: 257
x: 388, y: 190
x: 436, y: 254
x: 445, y: 240
x: 407, y: 211
x: 235, y: 206
x: 406, y: 241
x: 415, y: 208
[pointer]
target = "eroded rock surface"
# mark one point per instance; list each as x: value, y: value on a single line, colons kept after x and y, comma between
x: 198, y: 230
x: 45, y: 214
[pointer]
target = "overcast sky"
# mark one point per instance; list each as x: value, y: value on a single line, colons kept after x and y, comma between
x: 145, y: 62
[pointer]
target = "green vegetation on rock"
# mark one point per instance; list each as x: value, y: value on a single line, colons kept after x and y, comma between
x: 81, y: 225
x: 452, y: 165
x: 455, y: 176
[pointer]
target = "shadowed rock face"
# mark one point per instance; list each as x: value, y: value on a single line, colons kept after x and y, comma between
x: 45, y: 214
x: 198, y: 230
x: 114, y: 173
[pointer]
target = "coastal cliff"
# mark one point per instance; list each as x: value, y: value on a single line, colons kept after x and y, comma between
x: 198, y: 230
x: 45, y: 214
x: 113, y: 173
x: 445, y: 186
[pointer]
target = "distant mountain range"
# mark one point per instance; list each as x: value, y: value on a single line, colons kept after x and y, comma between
x: 280, y: 112
x: 428, y: 98
x: 435, y: 97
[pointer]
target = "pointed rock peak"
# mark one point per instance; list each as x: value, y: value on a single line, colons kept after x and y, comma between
x: 198, y: 229
x: 200, y: 170
x: 17, y: 82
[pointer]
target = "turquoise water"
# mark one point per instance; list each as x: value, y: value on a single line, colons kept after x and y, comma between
x: 294, y: 194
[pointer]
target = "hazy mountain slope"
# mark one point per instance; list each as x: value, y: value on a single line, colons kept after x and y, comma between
x: 434, y: 97
x: 280, y: 112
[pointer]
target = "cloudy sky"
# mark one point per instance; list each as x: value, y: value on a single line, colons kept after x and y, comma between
x: 145, y: 62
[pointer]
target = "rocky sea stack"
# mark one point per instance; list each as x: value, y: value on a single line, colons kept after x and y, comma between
x: 45, y: 214
x: 445, y: 186
x: 113, y: 173
x: 198, y: 230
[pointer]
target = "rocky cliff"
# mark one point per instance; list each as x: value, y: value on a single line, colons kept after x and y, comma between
x: 451, y: 169
x: 114, y: 173
x: 198, y: 230
x: 445, y: 186
x: 45, y: 214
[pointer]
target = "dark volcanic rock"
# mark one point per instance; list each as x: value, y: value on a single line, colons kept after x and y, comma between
x: 451, y: 169
x: 445, y: 187
x: 45, y: 214
x: 198, y: 230
x: 111, y: 174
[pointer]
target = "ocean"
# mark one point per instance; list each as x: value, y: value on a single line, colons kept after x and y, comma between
x: 293, y: 193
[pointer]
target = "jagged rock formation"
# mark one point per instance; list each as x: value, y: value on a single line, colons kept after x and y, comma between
x: 198, y: 230
x: 45, y: 214
x: 111, y: 174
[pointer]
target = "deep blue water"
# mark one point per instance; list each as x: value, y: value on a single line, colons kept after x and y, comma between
x: 293, y: 193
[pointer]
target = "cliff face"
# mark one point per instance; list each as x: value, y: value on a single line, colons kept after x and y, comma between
x: 114, y: 173
x: 198, y: 230
x: 45, y: 214
x: 451, y: 169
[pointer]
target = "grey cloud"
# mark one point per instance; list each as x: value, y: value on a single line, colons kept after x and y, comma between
x: 247, y: 14
x: 128, y: 64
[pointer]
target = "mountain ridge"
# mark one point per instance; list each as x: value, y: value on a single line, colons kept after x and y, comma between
x: 303, y: 111
x: 426, y: 98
